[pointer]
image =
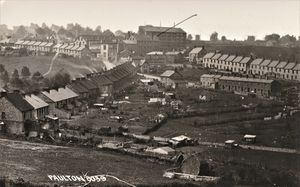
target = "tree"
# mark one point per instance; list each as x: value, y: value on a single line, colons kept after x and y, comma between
x: 15, y: 80
x: 189, y: 37
x: 15, y: 74
x: 214, y: 36
x: 223, y: 38
x: 251, y: 38
x: 25, y: 72
x: 5, y: 77
x: 37, y: 76
x: 21, y: 32
x: 287, y: 40
x: 2, y: 68
x: 272, y: 37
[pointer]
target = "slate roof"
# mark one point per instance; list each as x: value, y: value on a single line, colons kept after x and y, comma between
x: 297, y: 67
x: 238, y: 59
x: 60, y: 94
x: 90, y: 85
x: 196, y: 50
x: 101, y: 80
x: 209, y: 55
x: 243, y: 79
x: 273, y: 63
x: 35, y: 101
x: 19, y: 102
x: 216, y: 56
x: 265, y: 62
x: 19, y: 42
x: 230, y: 58
x: 223, y: 57
x: 256, y: 61
x: 281, y: 64
x: 290, y: 65
x: 77, y: 87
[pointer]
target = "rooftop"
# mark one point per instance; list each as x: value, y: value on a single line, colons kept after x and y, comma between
x: 223, y: 57
x: 243, y: 79
x: 167, y: 73
x: 265, y: 62
x: 19, y: 102
x: 257, y: 61
x: 35, y: 101
x: 297, y: 67
x: 150, y: 28
x: 281, y: 64
x: 209, y: 55
x: 290, y: 65
x: 216, y: 56
x: 60, y: 94
x: 196, y: 50
x: 230, y: 58
x: 238, y: 59
x: 273, y: 63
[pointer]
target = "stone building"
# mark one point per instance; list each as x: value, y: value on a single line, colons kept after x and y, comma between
x: 246, y: 86
x: 15, y: 112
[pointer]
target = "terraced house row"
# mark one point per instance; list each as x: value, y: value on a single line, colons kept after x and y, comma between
x: 18, y: 110
x: 73, y: 50
x: 258, y: 67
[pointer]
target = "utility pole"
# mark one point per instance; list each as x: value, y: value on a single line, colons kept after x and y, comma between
x: 176, y: 24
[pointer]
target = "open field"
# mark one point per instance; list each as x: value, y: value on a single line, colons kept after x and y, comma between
x: 33, y: 162
x: 276, y: 133
x: 42, y: 64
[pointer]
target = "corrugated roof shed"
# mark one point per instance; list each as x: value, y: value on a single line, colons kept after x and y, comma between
x: 19, y: 102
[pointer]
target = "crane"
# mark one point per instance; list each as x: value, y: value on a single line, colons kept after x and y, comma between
x: 176, y: 25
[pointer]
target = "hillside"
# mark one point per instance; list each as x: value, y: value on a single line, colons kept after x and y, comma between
x: 74, y: 67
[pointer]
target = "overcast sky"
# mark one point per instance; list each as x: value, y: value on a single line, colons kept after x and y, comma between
x: 232, y: 18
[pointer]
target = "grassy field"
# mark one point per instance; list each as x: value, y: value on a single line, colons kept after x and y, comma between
x: 74, y: 67
x: 33, y: 162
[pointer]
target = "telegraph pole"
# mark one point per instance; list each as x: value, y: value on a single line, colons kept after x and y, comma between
x: 176, y: 24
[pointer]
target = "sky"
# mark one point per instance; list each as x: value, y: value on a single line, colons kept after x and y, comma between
x: 236, y: 19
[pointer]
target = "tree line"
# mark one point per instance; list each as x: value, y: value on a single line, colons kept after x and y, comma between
x: 29, y: 83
